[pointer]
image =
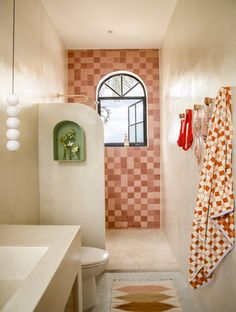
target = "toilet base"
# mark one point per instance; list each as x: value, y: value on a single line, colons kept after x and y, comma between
x: 89, y: 293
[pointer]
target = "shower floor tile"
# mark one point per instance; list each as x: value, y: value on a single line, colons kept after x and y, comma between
x: 135, y: 250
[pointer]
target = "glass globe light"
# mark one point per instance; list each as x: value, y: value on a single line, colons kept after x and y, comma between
x: 13, y: 111
x: 13, y: 122
x: 13, y: 134
x: 12, y: 100
x: 13, y: 145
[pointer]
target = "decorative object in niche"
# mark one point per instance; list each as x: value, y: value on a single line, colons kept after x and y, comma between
x: 71, y: 149
x: 69, y: 141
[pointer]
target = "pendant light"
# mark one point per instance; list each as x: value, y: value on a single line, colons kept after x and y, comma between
x: 13, y: 110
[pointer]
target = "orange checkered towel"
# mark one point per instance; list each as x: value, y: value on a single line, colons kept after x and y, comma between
x: 213, y: 225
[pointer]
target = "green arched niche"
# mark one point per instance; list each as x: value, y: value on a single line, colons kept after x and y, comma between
x: 68, y: 141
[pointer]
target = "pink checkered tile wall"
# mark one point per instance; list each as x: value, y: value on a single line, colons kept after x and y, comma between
x: 132, y: 174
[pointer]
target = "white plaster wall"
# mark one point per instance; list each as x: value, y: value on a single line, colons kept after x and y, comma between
x: 73, y: 192
x: 39, y: 73
x: 197, y: 58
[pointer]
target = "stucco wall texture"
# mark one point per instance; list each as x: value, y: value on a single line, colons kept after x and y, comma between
x: 197, y: 59
x: 40, y: 72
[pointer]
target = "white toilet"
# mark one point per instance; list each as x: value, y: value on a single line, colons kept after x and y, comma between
x: 94, y: 262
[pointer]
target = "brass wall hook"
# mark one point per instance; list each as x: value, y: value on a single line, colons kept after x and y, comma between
x: 198, y: 106
x: 208, y: 100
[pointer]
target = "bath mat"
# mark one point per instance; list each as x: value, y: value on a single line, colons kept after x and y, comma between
x: 144, y: 296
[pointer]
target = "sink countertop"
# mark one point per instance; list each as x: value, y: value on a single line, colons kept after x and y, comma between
x: 48, y: 285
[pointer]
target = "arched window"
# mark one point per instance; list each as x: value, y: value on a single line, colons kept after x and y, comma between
x: 121, y: 102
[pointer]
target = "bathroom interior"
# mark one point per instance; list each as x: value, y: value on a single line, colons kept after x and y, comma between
x: 82, y: 224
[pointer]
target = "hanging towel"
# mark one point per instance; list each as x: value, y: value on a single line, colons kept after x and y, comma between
x: 188, y: 131
x: 205, y: 121
x: 213, y: 225
x: 198, y: 148
x: 181, y: 133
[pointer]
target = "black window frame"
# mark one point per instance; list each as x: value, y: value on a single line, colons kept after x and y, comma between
x: 123, y: 97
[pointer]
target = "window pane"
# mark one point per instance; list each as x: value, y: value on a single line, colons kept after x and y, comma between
x: 106, y: 91
x: 132, y: 134
x: 117, y: 122
x: 115, y: 83
x: 139, y: 112
x: 131, y: 114
x: 128, y: 83
x: 136, y: 91
x: 121, y: 102
x: 139, y: 131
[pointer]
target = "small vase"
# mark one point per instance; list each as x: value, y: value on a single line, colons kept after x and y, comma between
x: 74, y: 156
x: 70, y: 154
x: 66, y: 154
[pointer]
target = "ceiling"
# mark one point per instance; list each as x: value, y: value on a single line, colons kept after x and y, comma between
x: 110, y: 24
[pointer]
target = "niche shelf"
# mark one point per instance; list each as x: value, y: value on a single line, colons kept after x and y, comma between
x: 68, y: 141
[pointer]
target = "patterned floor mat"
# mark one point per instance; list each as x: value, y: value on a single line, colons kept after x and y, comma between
x: 144, y: 296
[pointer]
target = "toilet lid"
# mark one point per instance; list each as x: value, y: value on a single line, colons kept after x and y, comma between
x: 91, y: 255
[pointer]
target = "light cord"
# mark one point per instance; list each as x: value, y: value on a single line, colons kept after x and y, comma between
x: 13, y: 47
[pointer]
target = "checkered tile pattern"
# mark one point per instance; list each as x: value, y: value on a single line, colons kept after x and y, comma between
x: 132, y: 175
x: 213, y: 225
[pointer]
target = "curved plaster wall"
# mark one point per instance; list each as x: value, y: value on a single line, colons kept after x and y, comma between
x: 73, y: 192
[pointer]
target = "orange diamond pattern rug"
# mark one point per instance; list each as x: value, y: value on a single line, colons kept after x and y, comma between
x: 144, y: 296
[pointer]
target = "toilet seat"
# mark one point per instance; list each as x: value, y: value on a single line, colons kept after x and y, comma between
x: 94, y: 262
x: 91, y: 256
